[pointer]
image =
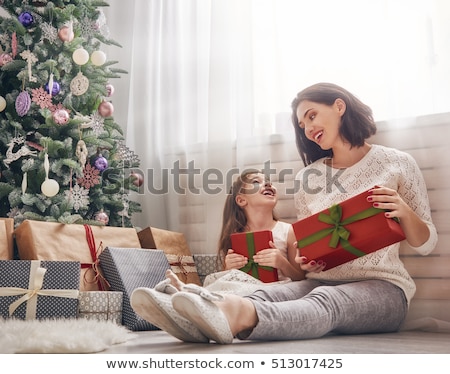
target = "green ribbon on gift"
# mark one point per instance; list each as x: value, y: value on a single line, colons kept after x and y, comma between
x: 339, y: 233
x: 251, y: 266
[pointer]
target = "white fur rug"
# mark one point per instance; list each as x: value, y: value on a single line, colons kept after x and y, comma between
x: 60, y: 336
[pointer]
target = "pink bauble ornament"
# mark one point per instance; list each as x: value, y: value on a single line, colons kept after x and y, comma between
x: 5, y: 58
x: 106, y: 109
x: 66, y: 34
x: 102, y: 217
x: 109, y: 90
x: 61, y: 116
x: 137, y: 178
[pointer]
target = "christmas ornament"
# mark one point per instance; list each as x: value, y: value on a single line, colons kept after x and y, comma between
x: 5, y: 58
x: 31, y: 59
x: 41, y: 98
x: 79, y: 197
x: 49, y: 187
x: 23, y: 151
x: 66, y: 33
x: 24, y: 183
x: 109, y: 90
x: 48, y: 32
x: 80, y: 56
x: 90, y: 177
x: 106, y: 109
x: 23, y: 103
x: 26, y: 19
x: 102, y: 217
x: 61, y: 116
x: 55, y: 90
x: 98, y: 58
x: 2, y: 103
x: 137, y: 178
x: 81, y: 152
x: 79, y: 85
x: 101, y: 163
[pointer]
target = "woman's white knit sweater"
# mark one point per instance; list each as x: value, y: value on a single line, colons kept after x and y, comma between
x: 319, y: 186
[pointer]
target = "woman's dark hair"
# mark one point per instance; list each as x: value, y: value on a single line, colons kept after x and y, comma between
x: 357, y: 122
x: 233, y: 217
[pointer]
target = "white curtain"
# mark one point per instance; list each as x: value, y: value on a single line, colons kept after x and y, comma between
x: 209, y: 79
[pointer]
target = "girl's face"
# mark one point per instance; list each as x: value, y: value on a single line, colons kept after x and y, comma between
x: 257, y: 190
x: 321, y: 122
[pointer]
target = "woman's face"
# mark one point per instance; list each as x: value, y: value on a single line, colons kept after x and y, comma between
x: 321, y: 122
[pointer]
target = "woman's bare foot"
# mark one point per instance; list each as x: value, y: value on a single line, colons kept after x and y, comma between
x: 174, y: 280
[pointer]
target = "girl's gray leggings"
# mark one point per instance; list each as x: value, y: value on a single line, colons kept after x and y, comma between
x: 310, y: 309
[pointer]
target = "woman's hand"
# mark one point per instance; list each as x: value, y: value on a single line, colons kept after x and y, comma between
x: 311, y: 266
x: 415, y: 229
x: 234, y: 260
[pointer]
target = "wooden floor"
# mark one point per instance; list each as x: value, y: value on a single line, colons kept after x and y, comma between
x: 405, y: 342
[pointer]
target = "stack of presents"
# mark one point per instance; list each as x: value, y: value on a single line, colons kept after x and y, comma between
x: 52, y: 270
x: 83, y: 271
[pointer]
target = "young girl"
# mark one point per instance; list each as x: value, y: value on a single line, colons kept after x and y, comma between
x: 370, y: 294
x: 249, y: 207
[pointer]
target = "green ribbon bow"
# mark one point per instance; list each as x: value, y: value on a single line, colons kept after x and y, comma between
x: 251, y: 265
x: 339, y: 233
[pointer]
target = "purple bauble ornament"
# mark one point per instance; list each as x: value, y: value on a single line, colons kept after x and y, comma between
x: 100, y: 163
x: 55, y: 90
x: 26, y: 19
x: 23, y: 103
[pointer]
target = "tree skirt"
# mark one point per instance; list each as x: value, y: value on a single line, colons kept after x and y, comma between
x: 60, y: 336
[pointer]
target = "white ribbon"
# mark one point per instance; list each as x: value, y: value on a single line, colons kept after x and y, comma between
x: 34, y: 289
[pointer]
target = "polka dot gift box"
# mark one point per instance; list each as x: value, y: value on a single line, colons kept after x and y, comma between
x: 101, y: 306
x: 39, y: 289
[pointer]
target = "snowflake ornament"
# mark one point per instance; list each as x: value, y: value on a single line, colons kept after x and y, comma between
x: 88, y: 28
x: 41, y: 98
x: 90, y: 177
x: 95, y: 122
x: 78, y: 196
x: 49, y: 32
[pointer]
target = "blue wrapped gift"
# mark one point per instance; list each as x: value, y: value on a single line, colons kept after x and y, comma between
x: 35, y: 289
x: 128, y: 268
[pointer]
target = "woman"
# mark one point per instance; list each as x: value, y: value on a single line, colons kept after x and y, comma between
x: 367, y: 295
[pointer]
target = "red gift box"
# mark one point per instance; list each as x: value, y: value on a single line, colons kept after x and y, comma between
x: 250, y: 243
x: 346, y: 231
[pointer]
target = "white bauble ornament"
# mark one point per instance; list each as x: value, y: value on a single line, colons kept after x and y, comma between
x: 2, y: 103
x: 80, y: 56
x: 98, y: 58
x: 49, y: 187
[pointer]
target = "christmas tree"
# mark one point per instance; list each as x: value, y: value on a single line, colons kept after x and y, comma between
x: 62, y: 156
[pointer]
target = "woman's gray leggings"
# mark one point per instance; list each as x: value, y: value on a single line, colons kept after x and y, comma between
x: 310, y: 309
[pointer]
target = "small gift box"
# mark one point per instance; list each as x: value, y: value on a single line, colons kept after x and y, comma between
x: 101, y: 305
x: 176, y: 249
x: 39, y: 289
x: 207, y: 264
x: 346, y: 231
x: 250, y: 243
x: 6, y: 238
x: 40, y: 240
x: 127, y: 269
